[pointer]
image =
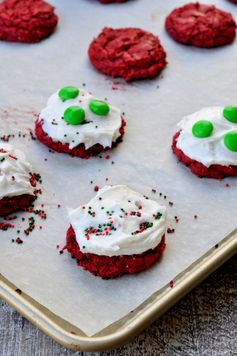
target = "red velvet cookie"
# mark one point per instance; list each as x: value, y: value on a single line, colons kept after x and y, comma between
x: 215, y: 171
x: 27, y: 21
x: 12, y: 204
x: 118, y: 232
x: 201, y: 26
x: 130, y: 53
x: 115, y: 266
x: 17, y: 182
x: 77, y: 123
x: 78, y: 151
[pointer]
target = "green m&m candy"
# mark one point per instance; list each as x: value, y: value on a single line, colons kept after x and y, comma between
x: 68, y: 93
x: 230, y: 113
x: 230, y: 141
x: 99, y: 107
x: 202, y: 129
x: 74, y: 115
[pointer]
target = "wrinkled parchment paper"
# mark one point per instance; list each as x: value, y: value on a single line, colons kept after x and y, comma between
x: 194, y: 78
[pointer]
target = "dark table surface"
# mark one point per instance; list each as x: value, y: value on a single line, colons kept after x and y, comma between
x: 203, y: 323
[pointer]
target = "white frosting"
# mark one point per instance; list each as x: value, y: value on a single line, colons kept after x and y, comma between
x: 210, y: 150
x: 119, y: 201
x: 14, y: 173
x: 98, y: 129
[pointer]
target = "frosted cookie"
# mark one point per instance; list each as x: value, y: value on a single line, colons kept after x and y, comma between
x: 206, y: 142
x: 27, y: 21
x: 201, y: 25
x: 79, y: 124
x: 118, y: 232
x: 17, y: 182
x: 130, y: 53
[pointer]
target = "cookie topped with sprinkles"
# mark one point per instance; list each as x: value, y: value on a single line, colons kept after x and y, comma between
x: 77, y: 123
x: 17, y: 182
x: 119, y: 231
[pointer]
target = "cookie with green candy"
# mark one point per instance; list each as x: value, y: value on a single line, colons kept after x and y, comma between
x: 206, y: 142
x: 77, y: 123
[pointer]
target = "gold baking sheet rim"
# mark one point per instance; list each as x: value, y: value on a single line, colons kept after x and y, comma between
x: 120, y: 332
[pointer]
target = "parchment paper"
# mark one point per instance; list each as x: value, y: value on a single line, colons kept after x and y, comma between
x: 194, y: 78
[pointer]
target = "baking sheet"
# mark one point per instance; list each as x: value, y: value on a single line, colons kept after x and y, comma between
x: 194, y: 78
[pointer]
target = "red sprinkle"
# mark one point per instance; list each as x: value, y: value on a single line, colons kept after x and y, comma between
x: 96, y: 188
x: 171, y: 284
x: 13, y: 157
x: 19, y: 241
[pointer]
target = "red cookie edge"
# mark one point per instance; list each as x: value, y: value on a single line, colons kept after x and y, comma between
x: 78, y: 151
x: 215, y: 171
x: 115, y: 266
x: 9, y: 205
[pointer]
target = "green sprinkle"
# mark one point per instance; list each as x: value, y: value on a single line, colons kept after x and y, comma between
x: 158, y: 216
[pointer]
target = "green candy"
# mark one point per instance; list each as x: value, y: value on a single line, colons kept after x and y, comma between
x: 230, y: 113
x: 202, y: 129
x: 99, y: 107
x: 67, y: 93
x: 74, y: 115
x: 230, y: 141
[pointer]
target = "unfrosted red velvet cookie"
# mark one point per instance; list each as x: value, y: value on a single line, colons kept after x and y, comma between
x: 130, y: 53
x: 112, y: 1
x: 27, y: 21
x: 201, y: 26
x: 115, y: 266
